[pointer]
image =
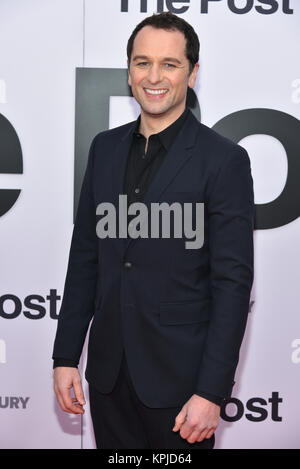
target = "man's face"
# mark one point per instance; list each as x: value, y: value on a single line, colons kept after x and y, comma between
x: 159, y: 72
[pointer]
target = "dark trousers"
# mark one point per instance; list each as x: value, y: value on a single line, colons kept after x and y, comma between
x: 121, y: 420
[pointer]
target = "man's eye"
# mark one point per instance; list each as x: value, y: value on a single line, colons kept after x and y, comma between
x: 142, y: 64
x: 170, y: 65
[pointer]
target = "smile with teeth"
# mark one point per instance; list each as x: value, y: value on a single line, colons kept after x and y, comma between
x: 155, y: 92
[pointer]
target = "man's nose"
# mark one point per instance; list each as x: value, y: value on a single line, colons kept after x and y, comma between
x: 154, y: 74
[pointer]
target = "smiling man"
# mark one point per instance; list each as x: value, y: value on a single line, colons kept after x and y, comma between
x: 159, y: 75
x: 168, y: 322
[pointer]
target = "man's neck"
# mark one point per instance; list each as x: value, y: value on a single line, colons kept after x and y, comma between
x: 153, y: 124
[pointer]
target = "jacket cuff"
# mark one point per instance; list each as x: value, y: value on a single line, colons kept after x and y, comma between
x: 64, y: 362
x: 215, y: 399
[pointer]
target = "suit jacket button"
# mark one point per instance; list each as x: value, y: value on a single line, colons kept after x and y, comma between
x: 127, y: 265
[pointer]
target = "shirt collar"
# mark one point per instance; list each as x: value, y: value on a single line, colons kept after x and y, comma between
x: 167, y: 135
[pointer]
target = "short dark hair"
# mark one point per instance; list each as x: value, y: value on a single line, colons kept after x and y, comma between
x: 170, y: 22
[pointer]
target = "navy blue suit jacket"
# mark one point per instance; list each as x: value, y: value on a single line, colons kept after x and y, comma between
x: 179, y: 313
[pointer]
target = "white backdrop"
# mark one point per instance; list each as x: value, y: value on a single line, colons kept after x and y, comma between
x: 248, y: 60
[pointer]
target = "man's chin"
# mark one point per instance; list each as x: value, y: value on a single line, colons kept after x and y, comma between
x: 155, y: 110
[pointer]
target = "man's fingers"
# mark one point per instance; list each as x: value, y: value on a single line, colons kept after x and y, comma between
x: 210, y: 433
x: 65, y: 404
x: 180, y: 419
x: 188, y: 428
x: 66, y: 378
x: 78, y: 392
x: 203, y: 434
x: 60, y: 401
x: 194, y: 436
x: 197, y: 420
x: 68, y: 403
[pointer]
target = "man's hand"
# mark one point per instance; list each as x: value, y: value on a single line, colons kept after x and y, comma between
x: 66, y: 378
x: 198, y: 419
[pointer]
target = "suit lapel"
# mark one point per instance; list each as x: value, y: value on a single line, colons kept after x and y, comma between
x: 176, y: 157
x: 119, y: 162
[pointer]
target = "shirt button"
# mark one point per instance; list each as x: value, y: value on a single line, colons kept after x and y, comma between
x: 127, y: 265
x: 137, y: 190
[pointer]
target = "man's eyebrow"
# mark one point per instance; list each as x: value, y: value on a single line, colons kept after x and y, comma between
x: 172, y: 59
x: 165, y: 59
x: 140, y: 57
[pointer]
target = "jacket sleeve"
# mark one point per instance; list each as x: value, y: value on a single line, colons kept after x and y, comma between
x: 230, y: 205
x: 77, y: 306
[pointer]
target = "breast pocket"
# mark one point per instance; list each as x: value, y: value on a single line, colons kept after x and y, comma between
x: 184, y: 312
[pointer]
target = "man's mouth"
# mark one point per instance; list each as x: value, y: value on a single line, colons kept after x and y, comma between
x: 155, y: 92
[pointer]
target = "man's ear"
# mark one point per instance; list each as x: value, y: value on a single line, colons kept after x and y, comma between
x: 193, y: 76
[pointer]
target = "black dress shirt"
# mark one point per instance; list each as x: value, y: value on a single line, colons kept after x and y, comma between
x: 141, y: 167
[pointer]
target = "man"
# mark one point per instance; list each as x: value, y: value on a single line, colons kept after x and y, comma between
x: 168, y: 321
